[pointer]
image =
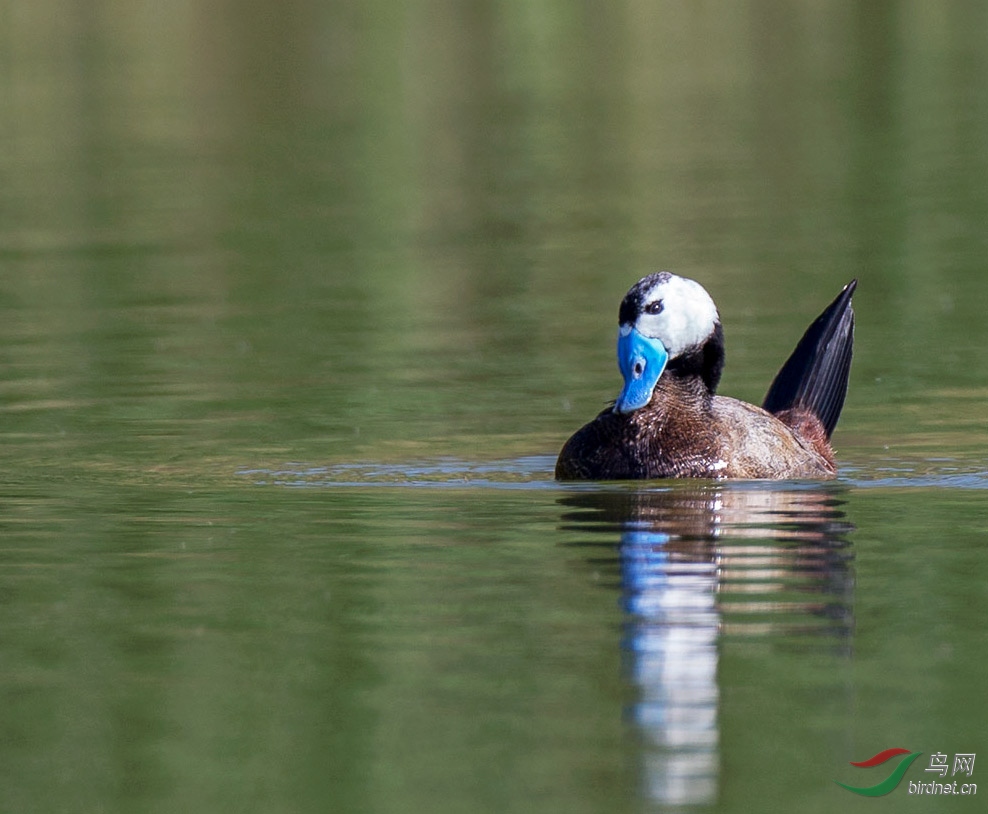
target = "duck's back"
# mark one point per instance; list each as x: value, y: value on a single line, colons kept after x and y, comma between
x: 756, y: 444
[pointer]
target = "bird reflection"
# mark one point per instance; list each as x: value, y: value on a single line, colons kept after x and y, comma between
x: 702, y: 565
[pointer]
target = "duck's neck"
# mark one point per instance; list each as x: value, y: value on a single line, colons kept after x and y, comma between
x: 701, y: 364
x: 677, y: 387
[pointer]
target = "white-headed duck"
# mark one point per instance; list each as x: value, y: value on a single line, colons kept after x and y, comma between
x: 668, y: 422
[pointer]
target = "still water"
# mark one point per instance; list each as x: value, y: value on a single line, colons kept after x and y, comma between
x: 299, y: 302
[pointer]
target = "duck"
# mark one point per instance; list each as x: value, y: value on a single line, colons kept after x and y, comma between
x: 668, y: 420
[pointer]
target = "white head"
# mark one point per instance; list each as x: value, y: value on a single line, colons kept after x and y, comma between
x: 676, y: 311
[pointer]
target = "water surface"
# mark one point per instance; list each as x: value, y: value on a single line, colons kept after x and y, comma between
x: 296, y: 310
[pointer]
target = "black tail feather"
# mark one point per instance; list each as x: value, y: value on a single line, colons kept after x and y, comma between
x: 814, y: 377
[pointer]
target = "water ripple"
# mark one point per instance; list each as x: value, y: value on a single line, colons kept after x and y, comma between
x: 536, y: 472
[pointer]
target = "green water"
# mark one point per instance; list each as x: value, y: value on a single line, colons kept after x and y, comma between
x: 299, y: 302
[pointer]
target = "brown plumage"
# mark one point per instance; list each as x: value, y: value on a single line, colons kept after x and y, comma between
x: 685, y: 430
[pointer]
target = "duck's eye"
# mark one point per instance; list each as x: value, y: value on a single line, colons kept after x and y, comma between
x: 654, y: 308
